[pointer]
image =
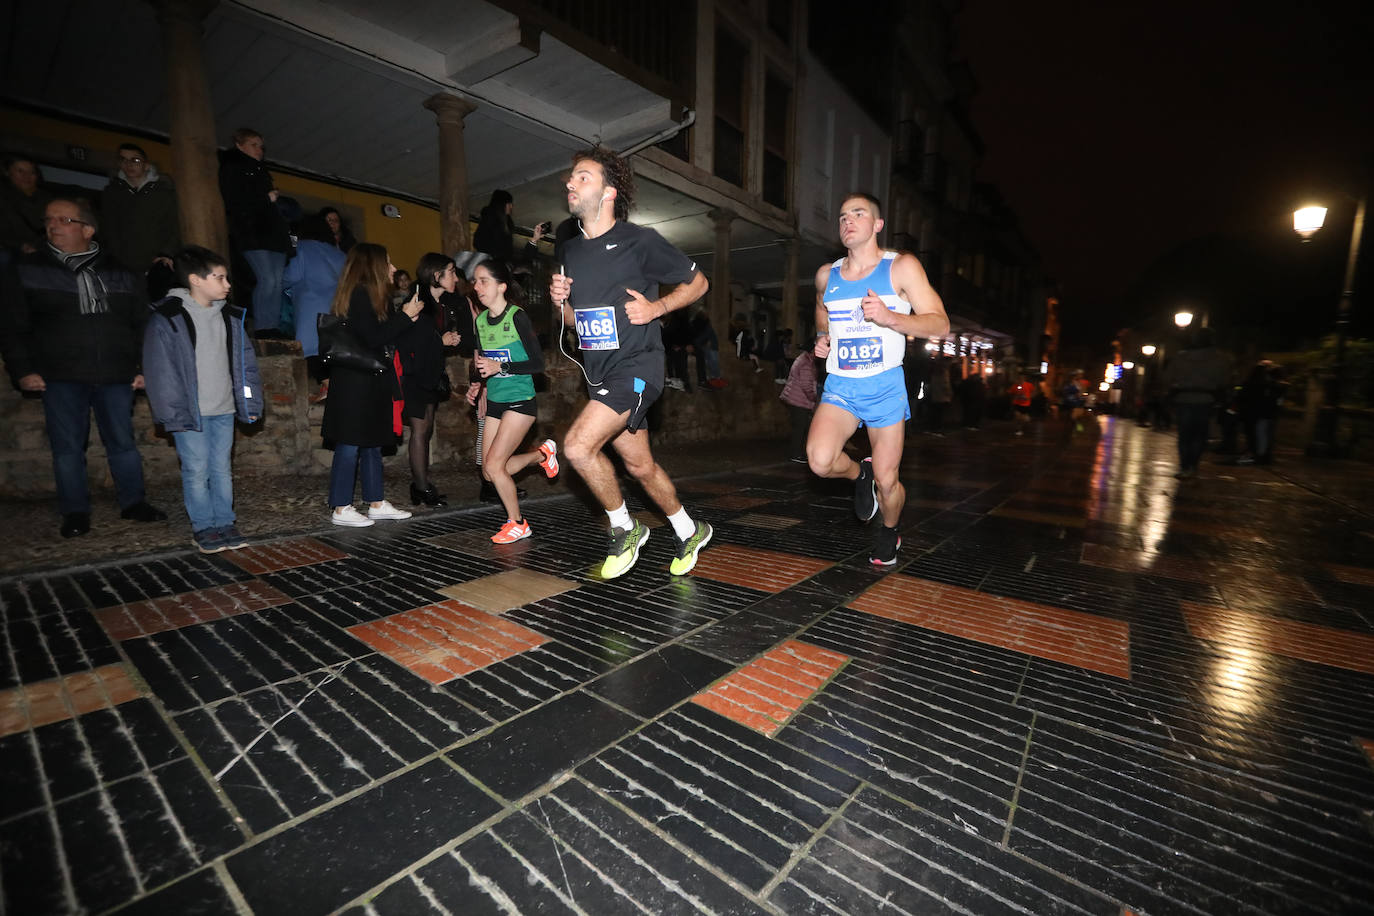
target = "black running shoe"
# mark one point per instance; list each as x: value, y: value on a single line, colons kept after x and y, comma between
x: 865, y: 492
x: 885, y: 547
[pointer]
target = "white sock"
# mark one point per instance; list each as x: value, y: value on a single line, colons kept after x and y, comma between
x: 620, y: 518
x: 683, y: 526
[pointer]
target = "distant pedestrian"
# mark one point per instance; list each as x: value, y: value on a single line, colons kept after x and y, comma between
x: 201, y: 373
x: 1021, y: 395
x: 1196, y: 378
x: 800, y: 395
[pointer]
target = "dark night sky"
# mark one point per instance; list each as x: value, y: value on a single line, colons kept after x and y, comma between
x: 1120, y: 130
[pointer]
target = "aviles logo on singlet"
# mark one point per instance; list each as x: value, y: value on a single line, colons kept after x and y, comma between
x: 596, y: 328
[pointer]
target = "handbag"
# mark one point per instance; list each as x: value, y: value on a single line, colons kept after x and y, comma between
x: 340, y: 346
x: 443, y: 389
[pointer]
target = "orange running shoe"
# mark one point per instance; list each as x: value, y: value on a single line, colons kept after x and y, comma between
x: 550, y: 462
x: 511, y: 532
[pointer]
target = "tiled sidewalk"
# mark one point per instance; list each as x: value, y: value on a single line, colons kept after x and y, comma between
x: 1085, y: 688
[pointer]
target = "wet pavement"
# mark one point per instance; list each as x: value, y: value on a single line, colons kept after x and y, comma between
x: 1086, y: 687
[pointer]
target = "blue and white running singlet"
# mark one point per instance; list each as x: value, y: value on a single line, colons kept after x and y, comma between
x: 860, y: 348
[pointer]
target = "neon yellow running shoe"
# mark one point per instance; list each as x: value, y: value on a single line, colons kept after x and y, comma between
x: 687, y: 550
x: 624, y: 550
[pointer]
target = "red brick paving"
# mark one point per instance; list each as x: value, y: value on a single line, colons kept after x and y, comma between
x: 31, y: 705
x: 444, y: 641
x: 1293, y: 638
x: 1072, y: 637
x: 142, y: 618
x: 278, y: 555
x: 768, y: 691
x: 765, y: 570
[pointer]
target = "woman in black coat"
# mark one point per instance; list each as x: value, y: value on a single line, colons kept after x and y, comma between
x: 421, y: 348
x: 359, y: 414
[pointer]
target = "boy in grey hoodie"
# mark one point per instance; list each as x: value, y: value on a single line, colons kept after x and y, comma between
x: 201, y: 373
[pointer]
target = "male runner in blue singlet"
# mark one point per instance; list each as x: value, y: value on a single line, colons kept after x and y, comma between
x: 867, y: 304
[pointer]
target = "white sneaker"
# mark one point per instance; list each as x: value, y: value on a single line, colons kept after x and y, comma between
x: 350, y: 517
x: 387, y: 510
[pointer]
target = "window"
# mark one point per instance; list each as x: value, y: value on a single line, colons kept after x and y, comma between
x: 777, y: 110
x: 732, y: 68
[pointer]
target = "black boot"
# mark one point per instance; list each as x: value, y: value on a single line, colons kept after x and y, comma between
x: 430, y: 497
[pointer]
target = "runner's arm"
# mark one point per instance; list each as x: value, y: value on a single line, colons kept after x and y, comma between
x: 927, y: 318
x: 533, y: 364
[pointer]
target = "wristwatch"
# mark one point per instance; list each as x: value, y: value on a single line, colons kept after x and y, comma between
x: 505, y: 368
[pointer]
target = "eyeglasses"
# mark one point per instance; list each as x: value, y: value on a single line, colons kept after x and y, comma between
x: 134, y: 159
x: 63, y: 221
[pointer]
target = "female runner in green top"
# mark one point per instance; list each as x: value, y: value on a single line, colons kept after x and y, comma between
x: 508, y: 355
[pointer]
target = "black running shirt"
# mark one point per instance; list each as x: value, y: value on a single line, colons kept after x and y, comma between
x: 626, y: 257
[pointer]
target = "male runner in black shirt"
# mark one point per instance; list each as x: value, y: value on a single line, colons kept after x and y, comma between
x: 610, y: 277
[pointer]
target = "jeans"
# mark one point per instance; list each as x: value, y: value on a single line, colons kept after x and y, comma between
x: 1194, y: 425
x: 349, y: 460
x: 206, y: 485
x: 267, y: 270
x: 67, y: 407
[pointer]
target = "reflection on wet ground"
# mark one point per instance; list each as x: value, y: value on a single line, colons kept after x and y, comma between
x: 1086, y: 687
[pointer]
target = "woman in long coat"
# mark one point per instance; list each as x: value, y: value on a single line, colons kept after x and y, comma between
x: 359, y: 416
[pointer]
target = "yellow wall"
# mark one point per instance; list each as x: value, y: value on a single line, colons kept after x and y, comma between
x: 47, y: 139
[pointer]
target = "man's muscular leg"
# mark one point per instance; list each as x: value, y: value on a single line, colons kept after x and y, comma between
x: 831, y: 428
x: 887, y: 445
x: 633, y: 448
x: 596, y: 425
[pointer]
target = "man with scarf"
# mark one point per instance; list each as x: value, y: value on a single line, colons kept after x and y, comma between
x: 72, y: 327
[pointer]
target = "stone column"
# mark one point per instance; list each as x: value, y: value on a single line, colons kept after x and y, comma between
x: 720, y: 274
x: 195, y: 164
x: 449, y: 111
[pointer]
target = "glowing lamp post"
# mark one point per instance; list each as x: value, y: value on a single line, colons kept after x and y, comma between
x: 1183, y: 318
x: 1148, y: 350
x: 1306, y: 223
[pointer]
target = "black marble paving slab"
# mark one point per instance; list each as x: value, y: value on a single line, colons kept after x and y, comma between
x: 527, y: 752
x: 322, y: 863
x: 350, y: 605
x: 627, y: 867
x: 30, y: 866
x: 657, y: 681
x: 199, y: 894
x: 744, y: 636
x: 403, y: 898
x: 456, y: 887
x: 31, y: 596
x: 139, y: 580
x: 512, y: 686
x: 882, y: 854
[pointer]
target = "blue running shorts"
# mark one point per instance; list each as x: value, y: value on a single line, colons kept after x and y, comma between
x: 877, y: 401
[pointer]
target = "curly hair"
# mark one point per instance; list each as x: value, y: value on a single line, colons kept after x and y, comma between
x: 617, y: 174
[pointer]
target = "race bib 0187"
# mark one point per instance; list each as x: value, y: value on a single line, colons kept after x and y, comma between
x: 596, y: 328
x: 856, y: 353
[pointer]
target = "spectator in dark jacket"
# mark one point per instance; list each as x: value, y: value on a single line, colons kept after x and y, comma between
x: 139, y: 221
x: 495, y: 234
x: 21, y: 207
x: 202, y: 373
x: 360, y: 416
x: 72, y: 325
x: 1197, y: 379
x: 338, y: 229
x: 257, y: 229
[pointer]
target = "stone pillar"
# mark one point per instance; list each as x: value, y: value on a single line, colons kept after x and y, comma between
x: 720, y: 279
x: 794, y: 311
x: 449, y: 111
x: 195, y: 164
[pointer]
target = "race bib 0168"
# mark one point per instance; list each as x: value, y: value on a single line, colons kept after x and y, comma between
x: 856, y: 353
x: 596, y: 328
x: 501, y: 356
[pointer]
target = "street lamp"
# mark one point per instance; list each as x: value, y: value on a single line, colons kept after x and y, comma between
x: 1183, y: 318
x: 1306, y: 226
x: 1148, y: 350
x: 1307, y: 221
